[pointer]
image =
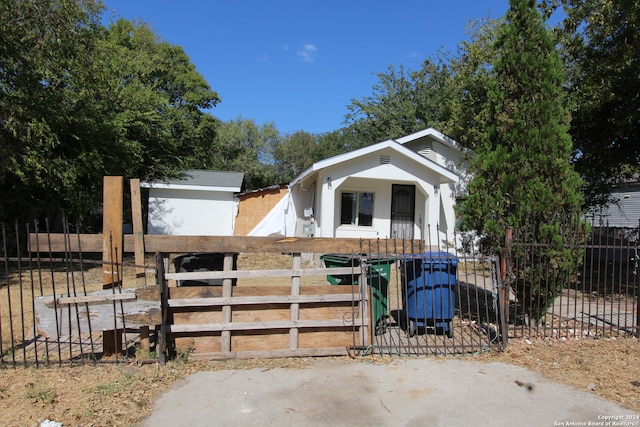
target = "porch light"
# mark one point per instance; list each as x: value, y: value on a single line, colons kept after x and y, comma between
x: 436, y: 189
x: 329, y: 182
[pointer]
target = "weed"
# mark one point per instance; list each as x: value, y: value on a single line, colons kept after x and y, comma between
x: 41, y: 393
x: 183, y: 355
x: 114, y: 387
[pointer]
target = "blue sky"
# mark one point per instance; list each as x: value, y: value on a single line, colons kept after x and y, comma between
x: 298, y: 63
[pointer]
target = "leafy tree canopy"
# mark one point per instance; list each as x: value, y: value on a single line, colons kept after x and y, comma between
x: 242, y: 145
x: 601, y: 47
x: 403, y: 102
x: 79, y: 101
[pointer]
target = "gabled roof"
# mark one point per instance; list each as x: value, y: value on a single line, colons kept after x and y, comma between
x: 202, y: 180
x: 446, y: 174
x: 434, y: 134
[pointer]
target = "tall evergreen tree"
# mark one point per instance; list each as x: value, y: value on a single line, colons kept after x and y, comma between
x: 523, y: 178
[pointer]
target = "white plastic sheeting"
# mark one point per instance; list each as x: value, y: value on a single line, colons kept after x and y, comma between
x: 281, y: 220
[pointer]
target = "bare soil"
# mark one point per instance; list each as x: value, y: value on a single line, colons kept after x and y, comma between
x: 123, y: 394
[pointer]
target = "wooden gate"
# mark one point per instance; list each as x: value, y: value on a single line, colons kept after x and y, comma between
x: 265, y: 312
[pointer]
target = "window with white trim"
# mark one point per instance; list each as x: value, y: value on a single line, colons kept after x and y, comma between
x: 356, y: 209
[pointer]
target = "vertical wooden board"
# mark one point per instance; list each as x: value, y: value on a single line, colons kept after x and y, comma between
x: 309, y: 338
x: 199, y: 344
x: 112, y: 238
x: 138, y: 232
x: 262, y: 313
x: 112, y: 247
x: 197, y: 317
x: 264, y: 340
x: 326, y: 312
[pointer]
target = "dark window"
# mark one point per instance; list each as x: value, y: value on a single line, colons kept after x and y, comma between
x: 357, y: 209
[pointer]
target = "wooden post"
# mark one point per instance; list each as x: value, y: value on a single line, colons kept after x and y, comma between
x: 138, y: 248
x: 504, y: 286
x: 365, y: 307
x: 227, y: 292
x: 295, y: 307
x: 112, y: 249
x: 161, y: 345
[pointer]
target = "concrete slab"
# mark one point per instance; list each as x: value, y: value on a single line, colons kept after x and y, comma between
x: 416, y: 392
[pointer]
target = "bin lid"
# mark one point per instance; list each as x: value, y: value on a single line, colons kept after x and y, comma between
x: 341, y: 258
x: 430, y: 257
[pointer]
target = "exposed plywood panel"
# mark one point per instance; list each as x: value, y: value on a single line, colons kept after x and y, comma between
x: 254, y: 206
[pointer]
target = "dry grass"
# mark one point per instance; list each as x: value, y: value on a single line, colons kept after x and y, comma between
x: 123, y: 395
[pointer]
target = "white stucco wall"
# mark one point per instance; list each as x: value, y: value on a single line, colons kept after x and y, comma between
x: 190, y: 212
x: 435, y: 193
x: 367, y: 174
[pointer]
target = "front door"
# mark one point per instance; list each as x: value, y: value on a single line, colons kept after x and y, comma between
x: 403, y: 204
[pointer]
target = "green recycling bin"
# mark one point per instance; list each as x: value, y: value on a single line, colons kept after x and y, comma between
x: 341, y: 260
x: 378, y: 276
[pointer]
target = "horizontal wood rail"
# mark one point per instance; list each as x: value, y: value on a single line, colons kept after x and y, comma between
x: 276, y: 324
x: 248, y: 274
x: 223, y: 244
x: 269, y: 299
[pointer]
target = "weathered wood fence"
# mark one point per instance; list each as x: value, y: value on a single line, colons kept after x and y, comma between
x: 257, y: 311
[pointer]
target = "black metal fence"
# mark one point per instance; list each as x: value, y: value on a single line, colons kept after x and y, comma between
x: 596, y: 297
x: 432, y: 300
x: 441, y: 299
x: 32, y: 274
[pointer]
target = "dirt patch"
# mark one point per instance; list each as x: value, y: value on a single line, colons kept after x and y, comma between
x: 123, y: 394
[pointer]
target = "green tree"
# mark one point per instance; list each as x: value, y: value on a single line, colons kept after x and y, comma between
x: 601, y: 46
x: 155, y: 101
x: 522, y: 173
x: 79, y: 101
x: 471, y: 69
x: 293, y: 154
x: 42, y: 41
x: 403, y: 102
x: 242, y: 145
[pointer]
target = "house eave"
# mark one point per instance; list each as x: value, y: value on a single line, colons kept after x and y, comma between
x: 156, y: 185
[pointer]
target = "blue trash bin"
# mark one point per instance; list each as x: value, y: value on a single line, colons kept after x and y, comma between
x: 428, y: 291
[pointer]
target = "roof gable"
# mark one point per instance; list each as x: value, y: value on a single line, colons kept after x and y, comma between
x: 432, y: 134
x: 446, y: 174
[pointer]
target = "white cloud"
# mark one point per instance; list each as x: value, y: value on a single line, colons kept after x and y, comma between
x: 307, y: 53
x: 264, y: 58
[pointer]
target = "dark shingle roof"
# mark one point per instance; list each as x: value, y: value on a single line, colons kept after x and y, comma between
x: 210, y: 178
x: 204, y: 178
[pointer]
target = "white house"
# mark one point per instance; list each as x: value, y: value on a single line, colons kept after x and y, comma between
x: 202, y: 203
x: 403, y: 188
x: 623, y: 211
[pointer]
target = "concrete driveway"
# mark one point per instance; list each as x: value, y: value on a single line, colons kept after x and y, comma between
x: 404, y: 392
